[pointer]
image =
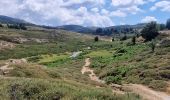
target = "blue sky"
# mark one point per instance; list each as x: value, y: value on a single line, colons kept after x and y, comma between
x: 87, y: 12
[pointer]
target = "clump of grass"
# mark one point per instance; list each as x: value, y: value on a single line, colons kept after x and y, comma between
x: 27, y: 70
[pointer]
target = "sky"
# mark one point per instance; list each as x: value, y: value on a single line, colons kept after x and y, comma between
x: 101, y: 13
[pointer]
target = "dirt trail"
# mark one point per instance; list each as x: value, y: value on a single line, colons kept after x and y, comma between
x: 115, y: 88
x: 145, y: 92
x: 92, y: 75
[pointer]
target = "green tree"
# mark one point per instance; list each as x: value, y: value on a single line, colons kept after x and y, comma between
x: 168, y: 24
x: 96, y: 39
x: 124, y: 37
x: 134, y: 40
x: 150, y: 31
x: 113, y: 39
x: 99, y: 30
x: 162, y: 27
x: 1, y: 25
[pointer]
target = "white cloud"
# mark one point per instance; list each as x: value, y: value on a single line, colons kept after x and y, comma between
x: 82, y: 12
x: 130, y: 6
x: 118, y: 13
x: 162, y: 5
x: 130, y: 2
x: 127, y: 2
x: 8, y: 7
x: 148, y: 19
x: 104, y: 12
x: 95, y: 10
x: 74, y: 2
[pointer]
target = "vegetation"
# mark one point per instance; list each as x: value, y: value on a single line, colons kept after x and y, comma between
x: 162, y: 27
x: 17, y: 26
x: 134, y: 40
x: 51, y: 73
x: 152, y: 46
x: 1, y: 25
x: 96, y: 39
x: 150, y: 31
x: 113, y: 39
x: 54, y: 90
x: 124, y: 38
x: 168, y: 24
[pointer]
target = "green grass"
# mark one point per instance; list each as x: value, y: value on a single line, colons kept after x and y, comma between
x: 133, y: 64
x: 53, y: 57
x: 33, y: 89
x: 115, y: 62
x: 99, y: 53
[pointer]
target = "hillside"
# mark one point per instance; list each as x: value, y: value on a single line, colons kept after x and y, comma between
x: 10, y: 20
x: 55, y: 64
x: 77, y: 28
x: 108, y: 31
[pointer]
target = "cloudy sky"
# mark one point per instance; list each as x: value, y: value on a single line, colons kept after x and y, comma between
x: 87, y: 12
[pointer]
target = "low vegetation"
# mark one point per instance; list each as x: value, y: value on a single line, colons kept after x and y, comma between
x: 50, y: 72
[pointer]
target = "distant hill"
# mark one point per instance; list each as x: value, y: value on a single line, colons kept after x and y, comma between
x: 10, y: 20
x: 77, y: 28
x: 103, y: 31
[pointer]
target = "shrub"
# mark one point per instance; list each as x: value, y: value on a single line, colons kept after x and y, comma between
x: 113, y: 39
x: 158, y: 85
x: 1, y: 25
x: 96, y: 39
x: 134, y: 40
x: 152, y: 45
x: 123, y: 38
x: 165, y: 74
x: 113, y: 79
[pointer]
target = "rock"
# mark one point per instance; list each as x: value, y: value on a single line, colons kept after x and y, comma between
x: 75, y: 54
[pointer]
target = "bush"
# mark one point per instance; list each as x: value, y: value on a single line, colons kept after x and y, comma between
x: 152, y: 45
x: 113, y: 39
x: 96, y: 39
x: 33, y: 91
x: 158, y: 85
x: 134, y: 40
x: 1, y: 25
x: 165, y: 74
x: 113, y: 79
x: 123, y: 38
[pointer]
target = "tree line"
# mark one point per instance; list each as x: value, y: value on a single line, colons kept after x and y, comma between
x: 15, y: 26
x: 127, y: 30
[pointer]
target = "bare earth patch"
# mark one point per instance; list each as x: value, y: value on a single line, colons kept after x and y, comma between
x: 5, y: 69
x: 6, y: 45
